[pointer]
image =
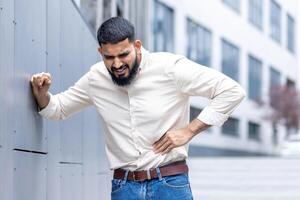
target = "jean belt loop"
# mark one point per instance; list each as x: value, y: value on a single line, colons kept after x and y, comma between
x: 158, y: 173
x: 126, y: 176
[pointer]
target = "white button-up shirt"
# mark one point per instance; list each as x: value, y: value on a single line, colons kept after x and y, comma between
x: 156, y: 101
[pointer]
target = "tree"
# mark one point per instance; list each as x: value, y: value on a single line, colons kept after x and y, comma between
x: 285, y: 107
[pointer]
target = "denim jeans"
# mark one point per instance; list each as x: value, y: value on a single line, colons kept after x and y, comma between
x: 176, y: 187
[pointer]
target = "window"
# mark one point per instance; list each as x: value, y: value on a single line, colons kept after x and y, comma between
x: 274, y: 133
x: 290, y: 33
x: 230, y: 60
x: 199, y: 43
x: 275, y: 21
x: 255, y: 78
x: 97, y: 11
x: 256, y: 13
x: 231, y: 127
x: 163, y: 27
x: 234, y: 4
x: 253, y: 131
x: 274, y: 77
x: 274, y: 83
x: 194, y: 112
x: 290, y: 84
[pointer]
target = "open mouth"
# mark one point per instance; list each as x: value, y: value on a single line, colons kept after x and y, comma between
x: 121, y: 71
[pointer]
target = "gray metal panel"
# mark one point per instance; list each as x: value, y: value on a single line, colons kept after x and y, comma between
x: 71, y: 71
x: 30, y: 57
x: 2, y: 71
x: 6, y: 174
x: 94, y: 147
x: 6, y: 69
x: 90, y: 49
x: 6, y: 98
x: 53, y: 127
x: 105, y: 186
x: 71, y: 182
x: 94, y: 157
x: 29, y: 176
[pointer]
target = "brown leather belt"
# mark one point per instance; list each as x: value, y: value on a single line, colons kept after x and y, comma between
x: 174, y: 168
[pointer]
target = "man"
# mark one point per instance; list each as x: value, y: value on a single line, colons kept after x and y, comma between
x: 143, y: 99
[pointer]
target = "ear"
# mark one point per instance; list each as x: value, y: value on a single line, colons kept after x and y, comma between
x: 100, y: 50
x: 138, y: 45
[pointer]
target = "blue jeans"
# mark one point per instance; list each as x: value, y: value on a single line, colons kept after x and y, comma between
x: 176, y: 187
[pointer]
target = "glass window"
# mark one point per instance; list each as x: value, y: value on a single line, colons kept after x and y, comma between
x: 290, y: 33
x: 255, y: 78
x: 194, y: 112
x: 254, y: 131
x: 274, y: 134
x: 274, y: 82
x: 256, y: 13
x: 274, y: 77
x: 199, y: 43
x: 234, y: 4
x: 290, y: 84
x: 163, y: 27
x: 230, y: 60
x: 231, y: 127
x: 275, y: 21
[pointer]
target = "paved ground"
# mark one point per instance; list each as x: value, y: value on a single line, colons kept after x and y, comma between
x: 257, y: 178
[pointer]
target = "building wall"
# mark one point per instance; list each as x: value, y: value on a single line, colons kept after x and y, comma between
x: 42, y: 159
x: 225, y: 23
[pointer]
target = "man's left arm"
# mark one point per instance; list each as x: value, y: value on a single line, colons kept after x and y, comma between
x: 193, y: 79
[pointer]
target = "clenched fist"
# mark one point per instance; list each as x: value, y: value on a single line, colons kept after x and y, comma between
x: 40, y: 84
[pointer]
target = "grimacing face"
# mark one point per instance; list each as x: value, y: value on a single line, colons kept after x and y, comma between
x: 122, y: 60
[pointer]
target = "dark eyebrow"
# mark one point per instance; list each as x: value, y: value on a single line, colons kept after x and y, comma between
x: 125, y: 53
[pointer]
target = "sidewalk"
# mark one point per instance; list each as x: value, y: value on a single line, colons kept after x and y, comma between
x: 254, y: 178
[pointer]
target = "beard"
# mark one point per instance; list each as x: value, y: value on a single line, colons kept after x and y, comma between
x: 124, y: 81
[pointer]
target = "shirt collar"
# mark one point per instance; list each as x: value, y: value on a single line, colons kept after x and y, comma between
x: 144, y: 57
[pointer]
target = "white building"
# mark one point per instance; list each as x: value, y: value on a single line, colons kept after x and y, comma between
x: 252, y: 41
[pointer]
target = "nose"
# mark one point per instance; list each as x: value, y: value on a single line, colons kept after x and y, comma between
x: 117, y: 63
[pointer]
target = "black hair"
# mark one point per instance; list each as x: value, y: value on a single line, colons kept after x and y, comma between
x: 114, y: 30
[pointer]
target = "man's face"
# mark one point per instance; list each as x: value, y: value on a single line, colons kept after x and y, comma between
x: 122, y: 60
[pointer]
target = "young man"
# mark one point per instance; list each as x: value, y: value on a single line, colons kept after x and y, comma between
x: 143, y: 99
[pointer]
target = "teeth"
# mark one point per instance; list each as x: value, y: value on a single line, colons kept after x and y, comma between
x: 121, y: 70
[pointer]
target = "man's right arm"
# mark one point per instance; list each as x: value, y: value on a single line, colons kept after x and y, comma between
x: 62, y: 105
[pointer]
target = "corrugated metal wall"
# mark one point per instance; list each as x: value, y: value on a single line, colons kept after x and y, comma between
x: 41, y: 159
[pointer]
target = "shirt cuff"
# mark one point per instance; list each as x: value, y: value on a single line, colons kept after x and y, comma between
x: 50, y: 108
x: 211, y: 117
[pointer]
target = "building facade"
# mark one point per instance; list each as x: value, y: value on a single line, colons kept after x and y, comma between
x: 253, y: 41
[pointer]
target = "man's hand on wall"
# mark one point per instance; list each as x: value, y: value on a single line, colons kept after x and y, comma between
x: 40, y: 84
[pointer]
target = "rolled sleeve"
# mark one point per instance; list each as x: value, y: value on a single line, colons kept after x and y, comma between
x: 211, y: 117
x: 49, y: 110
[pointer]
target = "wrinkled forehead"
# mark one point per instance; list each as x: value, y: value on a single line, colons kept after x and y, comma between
x: 122, y: 47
